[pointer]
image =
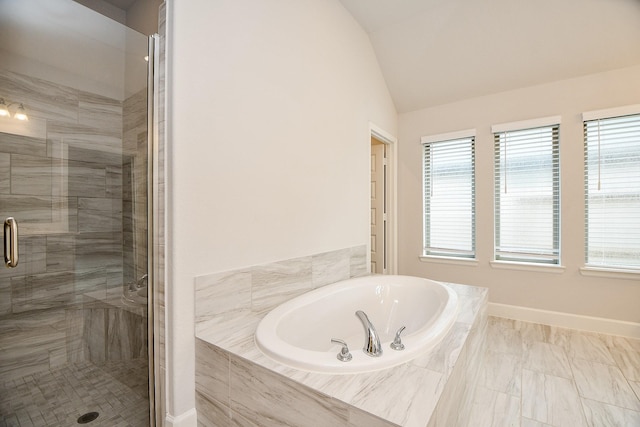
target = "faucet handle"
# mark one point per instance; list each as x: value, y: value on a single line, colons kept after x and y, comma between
x: 344, y: 355
x: 397, y: 341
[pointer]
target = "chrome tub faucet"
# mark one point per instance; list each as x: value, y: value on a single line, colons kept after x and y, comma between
x: 372, y: 345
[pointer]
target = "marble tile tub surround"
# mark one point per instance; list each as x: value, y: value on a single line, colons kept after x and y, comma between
x: 263, y: 287
x: 237, y: 385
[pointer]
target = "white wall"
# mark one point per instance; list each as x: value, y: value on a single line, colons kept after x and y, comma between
x: 568, y: 292
x: 269, y: 110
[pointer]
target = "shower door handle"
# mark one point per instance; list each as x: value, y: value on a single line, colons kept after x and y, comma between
x: 10, y: 242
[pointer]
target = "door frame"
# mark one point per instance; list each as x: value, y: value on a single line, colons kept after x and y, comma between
x: 391, y: 238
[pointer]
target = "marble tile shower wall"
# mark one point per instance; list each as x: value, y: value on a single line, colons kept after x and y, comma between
x: 65, y: 187
x: 134, y: 191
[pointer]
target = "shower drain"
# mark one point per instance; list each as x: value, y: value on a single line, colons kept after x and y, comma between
x: 88, y: 417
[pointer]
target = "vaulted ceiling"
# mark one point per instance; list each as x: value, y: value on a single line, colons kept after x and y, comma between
x: 433, y: 52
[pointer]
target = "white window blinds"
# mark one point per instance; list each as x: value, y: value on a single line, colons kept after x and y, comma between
x: 527, y: 195
x: 612, y: 191
x: 449, y: 197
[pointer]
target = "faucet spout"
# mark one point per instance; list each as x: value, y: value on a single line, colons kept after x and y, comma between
x: 372, y: 345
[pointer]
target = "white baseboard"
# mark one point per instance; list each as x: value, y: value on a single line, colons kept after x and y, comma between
x: 186, y: 419
x: 566, y: 320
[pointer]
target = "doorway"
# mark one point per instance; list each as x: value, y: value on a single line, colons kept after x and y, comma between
x: 382, y: 204
x: 378, y: 206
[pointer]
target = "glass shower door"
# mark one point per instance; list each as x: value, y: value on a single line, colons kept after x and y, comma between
x: 73, y: 311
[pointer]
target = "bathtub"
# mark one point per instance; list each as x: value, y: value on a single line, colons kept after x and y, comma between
x: 298, y: 333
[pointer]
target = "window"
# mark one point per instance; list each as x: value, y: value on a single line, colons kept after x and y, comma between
x: 449, y: 195
x: 612, y: 190
x: 527, y: 191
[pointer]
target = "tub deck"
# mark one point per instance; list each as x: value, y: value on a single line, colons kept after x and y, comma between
x: 236, y: 381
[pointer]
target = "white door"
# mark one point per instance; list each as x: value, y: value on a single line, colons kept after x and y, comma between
x: 378, y: 207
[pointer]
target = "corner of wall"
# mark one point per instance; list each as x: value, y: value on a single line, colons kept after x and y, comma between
x: 186, y: 419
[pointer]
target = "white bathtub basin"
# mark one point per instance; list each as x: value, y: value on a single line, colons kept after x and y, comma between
x: 298, y: 333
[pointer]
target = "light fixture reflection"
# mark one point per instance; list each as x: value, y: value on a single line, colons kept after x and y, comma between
x: 4, y: 110
x: 20, y: 114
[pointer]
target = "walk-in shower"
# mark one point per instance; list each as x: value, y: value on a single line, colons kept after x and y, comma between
x: 75, y: 335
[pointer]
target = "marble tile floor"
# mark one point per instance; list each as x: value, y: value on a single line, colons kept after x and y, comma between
x: 118, y: 391
x: 540, y: 376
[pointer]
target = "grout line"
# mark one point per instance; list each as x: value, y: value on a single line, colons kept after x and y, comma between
x: 575, y: 386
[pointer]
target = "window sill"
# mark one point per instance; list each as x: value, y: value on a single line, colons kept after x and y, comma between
x: 616, y: 273
x: 449, y: 260
x: 528, y: 266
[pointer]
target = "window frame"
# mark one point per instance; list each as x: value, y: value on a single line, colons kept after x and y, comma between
x: 602, y: 269
x: 552, y: 259
x: 449, y: 254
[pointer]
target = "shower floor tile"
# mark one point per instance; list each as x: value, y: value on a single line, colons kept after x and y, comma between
x: 117, y: 391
